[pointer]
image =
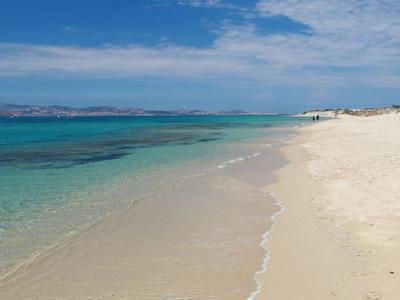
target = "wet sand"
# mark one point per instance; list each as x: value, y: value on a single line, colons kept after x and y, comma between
x: 198, y: 239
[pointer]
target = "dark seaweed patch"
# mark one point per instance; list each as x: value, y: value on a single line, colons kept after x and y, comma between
x: 208, y: 140
x: 98, y: 158
x: 99, y: 148
x: 67, y: 150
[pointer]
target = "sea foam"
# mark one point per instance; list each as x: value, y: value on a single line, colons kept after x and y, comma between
x: 264, y: 239
x: 236, y: 160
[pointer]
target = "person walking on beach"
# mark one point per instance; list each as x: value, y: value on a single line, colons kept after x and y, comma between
x: 317, y: 117
x: 313, y: 118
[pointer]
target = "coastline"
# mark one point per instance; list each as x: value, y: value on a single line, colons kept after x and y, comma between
x: 339, y: 235
x: 60, y: 176
x: 329, y: 228
x: 263, y: 242
x: 165, y: 246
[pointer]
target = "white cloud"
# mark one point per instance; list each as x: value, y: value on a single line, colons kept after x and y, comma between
x: 199, y: 3
x: 345, y: 33
x: 351, y: 41
x: 194, y: 3
x: 72, y: 30
x: 131, y: 60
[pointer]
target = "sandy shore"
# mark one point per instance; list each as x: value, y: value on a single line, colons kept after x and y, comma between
x: 195, y: 238
x: 339, y: 236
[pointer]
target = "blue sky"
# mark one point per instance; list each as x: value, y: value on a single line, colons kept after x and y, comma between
x: 261, y: 55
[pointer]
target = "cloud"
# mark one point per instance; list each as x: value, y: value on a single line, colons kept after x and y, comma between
x: 350, y: 42
x: 201, y: 3
x: 344, y: 33
x: 130, y: 60
x: 70, y: 29
x: 193, y: 3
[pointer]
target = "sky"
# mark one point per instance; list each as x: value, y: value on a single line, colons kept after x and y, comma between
x: 254, y: 55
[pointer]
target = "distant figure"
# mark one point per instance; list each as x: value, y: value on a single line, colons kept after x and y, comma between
x: 336, y: 113
x: 317, y: 117
x: 313, y: 118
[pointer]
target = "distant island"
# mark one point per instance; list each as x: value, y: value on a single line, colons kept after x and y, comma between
x: 14, y: 110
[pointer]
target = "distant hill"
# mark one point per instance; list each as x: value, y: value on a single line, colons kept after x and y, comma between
x: 14, y: 110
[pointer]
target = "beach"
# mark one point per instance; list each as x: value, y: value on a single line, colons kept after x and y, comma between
x: 310, y: 215
x: 195, y: 239
x: 200, y: 150
x: 339, y: 236
x: 160, y: 208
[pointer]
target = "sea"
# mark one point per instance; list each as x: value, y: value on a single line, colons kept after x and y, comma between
x: 59, y: 176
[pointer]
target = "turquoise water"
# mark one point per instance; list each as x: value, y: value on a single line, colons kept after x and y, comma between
x: 59, y: 175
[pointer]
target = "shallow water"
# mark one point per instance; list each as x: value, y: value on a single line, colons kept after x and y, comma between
x: 58, y: 176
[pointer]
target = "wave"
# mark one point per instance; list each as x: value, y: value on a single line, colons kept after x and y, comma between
x: 264, y: 239
x: 242, y: 158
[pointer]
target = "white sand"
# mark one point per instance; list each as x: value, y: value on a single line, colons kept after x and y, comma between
x: 339, y: 237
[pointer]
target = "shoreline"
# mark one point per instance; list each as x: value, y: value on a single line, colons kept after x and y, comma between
x: 263, y: 242
x: 83, y: 228
x: 150, y: 234
x: 335, y: 240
